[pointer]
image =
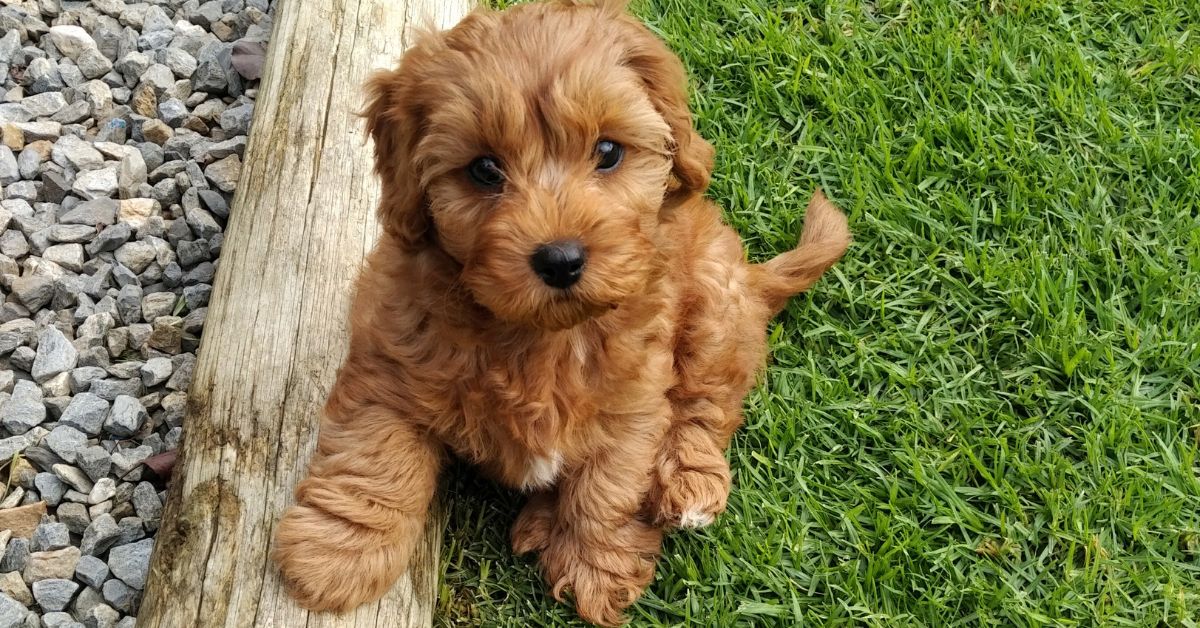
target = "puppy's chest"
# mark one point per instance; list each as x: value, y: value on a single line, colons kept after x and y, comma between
x: 532, y: 414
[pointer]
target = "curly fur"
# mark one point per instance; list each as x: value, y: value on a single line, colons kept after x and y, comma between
x: 613, y: 401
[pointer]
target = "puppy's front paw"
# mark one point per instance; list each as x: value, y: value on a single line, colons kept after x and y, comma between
x: 605, y: 576
x: 531, y: 531
x: 330, y: 564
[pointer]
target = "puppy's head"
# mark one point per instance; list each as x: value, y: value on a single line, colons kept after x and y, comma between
x: 538, y: 147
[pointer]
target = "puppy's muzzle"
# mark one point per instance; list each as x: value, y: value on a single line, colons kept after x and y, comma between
x: 559, y: 264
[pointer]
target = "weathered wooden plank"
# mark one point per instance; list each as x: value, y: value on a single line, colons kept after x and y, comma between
x: 302, y: 222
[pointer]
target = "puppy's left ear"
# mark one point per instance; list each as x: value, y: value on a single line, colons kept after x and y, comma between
x: 665, y: 81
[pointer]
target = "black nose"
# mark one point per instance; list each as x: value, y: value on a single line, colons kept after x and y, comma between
x: 559, y: 264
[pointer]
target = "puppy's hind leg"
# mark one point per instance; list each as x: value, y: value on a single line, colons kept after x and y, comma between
x: 691, y: 474
x: 362, y: 509
x: 532, y: 529
x: 723, y: 346
x: 720, y: 345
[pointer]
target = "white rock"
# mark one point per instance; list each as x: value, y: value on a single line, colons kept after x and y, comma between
x: 69, y: 256
x: 135, y: 211
x: 44, y: 104
x: 103, y: 491
x: 71, y: 40
x: 55, y: 354
x: 93, y: 184
x: 76, y: 153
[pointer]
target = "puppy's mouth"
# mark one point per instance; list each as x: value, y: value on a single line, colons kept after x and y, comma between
x: 568, y: 308
x: 540, y: 306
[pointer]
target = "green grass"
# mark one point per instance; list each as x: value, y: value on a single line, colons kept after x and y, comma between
x: 988, y: 413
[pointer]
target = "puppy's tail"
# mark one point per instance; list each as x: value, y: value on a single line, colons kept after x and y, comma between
x: 823, y: 241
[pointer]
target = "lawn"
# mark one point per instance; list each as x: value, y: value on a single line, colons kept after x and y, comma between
x: 988, y: 413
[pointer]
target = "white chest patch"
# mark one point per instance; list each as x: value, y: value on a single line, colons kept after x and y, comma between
x: 542, y: 471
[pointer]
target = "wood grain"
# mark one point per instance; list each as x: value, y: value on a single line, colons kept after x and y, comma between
x: 302, y: 222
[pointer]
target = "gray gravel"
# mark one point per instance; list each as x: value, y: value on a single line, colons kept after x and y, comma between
x: 50, y: 536
x: 131, y: 562
x: 13, y: 614
x: 86, y: 411
x: 101, y: 534
x: 120, y: 595
x: 122, y: 132
x: 24, y: 409
x: 53, y: 594
x: 91, y: 571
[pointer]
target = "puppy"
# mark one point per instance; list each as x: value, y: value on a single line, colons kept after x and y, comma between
x: 552, y: 299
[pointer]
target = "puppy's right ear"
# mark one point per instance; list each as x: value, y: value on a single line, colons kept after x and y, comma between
x: 394, y: 121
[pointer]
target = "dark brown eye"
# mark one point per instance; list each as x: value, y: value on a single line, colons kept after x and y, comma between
x: 485, y: 172
x: 610, y: 154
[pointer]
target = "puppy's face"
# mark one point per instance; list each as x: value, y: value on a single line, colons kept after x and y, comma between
x: 536, y: 148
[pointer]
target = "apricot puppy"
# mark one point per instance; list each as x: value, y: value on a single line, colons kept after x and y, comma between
x: 553, y: 299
